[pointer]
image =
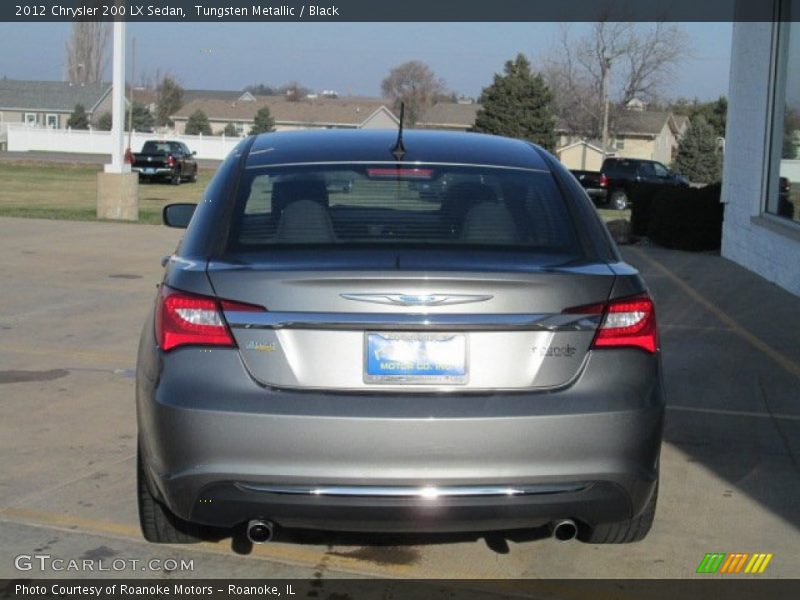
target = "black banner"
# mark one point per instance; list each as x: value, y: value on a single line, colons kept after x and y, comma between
x: 260, y: 11
x: 733, y: 588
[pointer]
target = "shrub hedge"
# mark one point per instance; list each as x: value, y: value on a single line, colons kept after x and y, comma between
x: 679, y: 217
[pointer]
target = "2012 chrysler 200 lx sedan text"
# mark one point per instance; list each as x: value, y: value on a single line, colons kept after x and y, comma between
x: 367, y: 358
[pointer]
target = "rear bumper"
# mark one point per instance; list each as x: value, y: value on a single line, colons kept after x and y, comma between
x: 217, y: 445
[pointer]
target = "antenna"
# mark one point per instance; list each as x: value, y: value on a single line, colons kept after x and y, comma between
x: 399, y: 150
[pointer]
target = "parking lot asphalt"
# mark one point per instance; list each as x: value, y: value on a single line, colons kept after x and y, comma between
x: 72, y: 302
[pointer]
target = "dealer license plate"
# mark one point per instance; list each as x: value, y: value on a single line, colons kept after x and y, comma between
x: 412, y: 357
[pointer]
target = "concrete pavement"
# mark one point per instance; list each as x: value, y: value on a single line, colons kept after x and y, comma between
x: 72, y: 302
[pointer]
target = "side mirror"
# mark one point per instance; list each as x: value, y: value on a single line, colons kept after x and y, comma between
x: 178, y: 215
x: 194, y: 152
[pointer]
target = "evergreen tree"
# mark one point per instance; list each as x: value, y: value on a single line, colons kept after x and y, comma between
x: 143, y: 119
x: 263, y: 122
x: 699, y: 158
x: 78, y: 119
x: 104, y: 122
x: 230, y: 131
x: 198, y: 124
x: 518, y: 104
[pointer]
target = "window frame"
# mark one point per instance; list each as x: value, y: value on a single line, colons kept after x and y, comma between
x: 776, y: 110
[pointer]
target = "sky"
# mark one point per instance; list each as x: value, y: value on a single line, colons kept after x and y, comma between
x: 351, y: 58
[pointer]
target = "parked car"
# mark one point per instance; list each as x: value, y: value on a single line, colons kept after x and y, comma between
x: 172, y: 161
x: 487, y: 362
x: 615, y: 182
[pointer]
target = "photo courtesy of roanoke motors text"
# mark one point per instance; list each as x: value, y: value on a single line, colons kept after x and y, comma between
x: 454, y: 299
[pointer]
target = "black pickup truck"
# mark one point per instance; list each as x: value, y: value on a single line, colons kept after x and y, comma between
x: 614, y: 183
x: 172, y: 161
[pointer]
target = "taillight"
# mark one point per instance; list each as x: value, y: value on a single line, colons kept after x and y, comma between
x: 603, y: 180
x: 190, y: 319
x: 170, y: 161
x: 626, y: 322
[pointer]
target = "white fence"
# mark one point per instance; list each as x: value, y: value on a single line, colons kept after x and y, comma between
x: 23, y: 138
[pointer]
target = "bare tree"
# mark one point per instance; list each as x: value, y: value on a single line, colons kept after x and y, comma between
x: 169, y: 99
x: 594, y: 75
x: 87, y: 54
x: 414, y: 84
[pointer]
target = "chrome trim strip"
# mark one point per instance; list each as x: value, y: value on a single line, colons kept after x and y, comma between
x: 401, y: 321
x: 423, y: 492
x: 418, y: 299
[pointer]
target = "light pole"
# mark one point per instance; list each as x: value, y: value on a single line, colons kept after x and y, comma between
x: 117, y: 186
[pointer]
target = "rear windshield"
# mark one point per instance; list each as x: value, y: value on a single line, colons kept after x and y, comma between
x: 155, y: 148
x: 352, y: 205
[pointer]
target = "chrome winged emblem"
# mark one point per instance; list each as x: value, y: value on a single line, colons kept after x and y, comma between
x: 418, y: 299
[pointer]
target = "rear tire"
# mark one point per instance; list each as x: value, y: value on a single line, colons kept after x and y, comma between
x: 618, y: 200
x: 160, y: 525
x: 623, y: 532
x: 193, y: 178
x: 176, y: 178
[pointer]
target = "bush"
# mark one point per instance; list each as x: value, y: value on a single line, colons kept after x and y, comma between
x: 687, y: 218
x: 641, y: 201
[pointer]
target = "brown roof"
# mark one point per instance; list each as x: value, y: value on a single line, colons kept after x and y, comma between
x: 321, y: 111
x: 449, y: 113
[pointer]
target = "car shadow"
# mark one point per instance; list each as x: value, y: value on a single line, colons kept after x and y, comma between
x: 380, y: 548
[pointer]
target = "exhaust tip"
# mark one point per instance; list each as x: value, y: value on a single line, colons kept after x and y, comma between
x: 260, y: 532
x: 564, y: 530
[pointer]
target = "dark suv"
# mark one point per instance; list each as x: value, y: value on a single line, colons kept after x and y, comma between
x: 620, y: 174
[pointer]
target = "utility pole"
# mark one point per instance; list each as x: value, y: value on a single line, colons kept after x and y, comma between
x: 606, y: 67
x: 117, y: 186
x: 128, y: 154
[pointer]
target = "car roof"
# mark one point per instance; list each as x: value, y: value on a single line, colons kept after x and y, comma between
x: 375, y: 145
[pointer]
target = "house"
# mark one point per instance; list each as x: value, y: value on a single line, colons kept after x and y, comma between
x: 583, y: 155
x: 451, y: 116
x: 646, y: 134
x: 288, y: 113
x: 50, y: 103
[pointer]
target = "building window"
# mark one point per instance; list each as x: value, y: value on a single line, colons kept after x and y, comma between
x: 30, y: 119
x: 783, y: 189
x: 52, y: 121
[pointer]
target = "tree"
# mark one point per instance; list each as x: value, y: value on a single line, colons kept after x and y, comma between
x: 87, y: 54
x: 78, y: 119
x: 198, y: 124
x: 262, y: 122
x: 517, y: 105
x: 714, y: 112
x: 699, y: 158
x: 613, y: 61
x: 293, y: 91
x: 414, y: 84
x: 104, y: 122
x: 143, y: 119
x: 169, y: 99
x: 230, y: 131
x: 791, y: 127
x: 261, y: 89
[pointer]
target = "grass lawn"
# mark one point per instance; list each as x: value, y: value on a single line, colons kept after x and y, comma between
x: 65, y: 191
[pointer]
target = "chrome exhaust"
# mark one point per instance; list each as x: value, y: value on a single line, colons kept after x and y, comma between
x: 260, y: 532
x: 564, y: 530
